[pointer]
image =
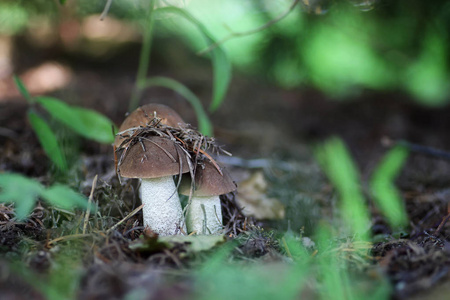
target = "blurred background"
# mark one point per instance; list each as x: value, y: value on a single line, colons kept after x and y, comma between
x: 341, y: 48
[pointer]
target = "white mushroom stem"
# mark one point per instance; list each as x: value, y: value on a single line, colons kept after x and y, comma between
x: 204, y: 215
x: 162, y: 210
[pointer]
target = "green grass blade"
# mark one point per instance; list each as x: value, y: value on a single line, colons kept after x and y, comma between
x: 339, y: 279
x: 385, y: 194
x: 220, y: 61
x: 21, y: 191
x: 204, y: 123
x: 338, y: 165
x: 48, y: 140
x: 22, y: 89
x: 87, y: 123
x: 330, y: 269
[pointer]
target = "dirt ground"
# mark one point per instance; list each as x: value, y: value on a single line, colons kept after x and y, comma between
x: 257, y: 120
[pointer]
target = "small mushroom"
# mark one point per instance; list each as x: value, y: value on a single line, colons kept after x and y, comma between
x: 204, y: 213
x: 155, y: 160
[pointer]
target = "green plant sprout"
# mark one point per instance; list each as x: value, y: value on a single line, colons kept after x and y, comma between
x: 85, y: 122
x: 341, y: 170
x: 338, y: 165
x: 384, y: 192
x: 23, y: 192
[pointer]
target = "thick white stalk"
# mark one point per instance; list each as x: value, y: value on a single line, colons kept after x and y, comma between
x: 162, y: 210
x: 204, y: 215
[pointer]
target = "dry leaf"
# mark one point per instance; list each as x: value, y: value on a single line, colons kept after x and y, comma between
x: 252, y: 197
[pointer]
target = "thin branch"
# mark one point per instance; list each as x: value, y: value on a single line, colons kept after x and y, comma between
x: 88, y: 210
x: 105, y: 10
x: 144, y: 58
x: 249, y: 32
x: 68, y: 237
x: 126, y: 218
x: 425, y: 150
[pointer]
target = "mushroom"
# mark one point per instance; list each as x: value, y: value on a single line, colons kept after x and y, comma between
x: 154, y: 160
x: 204, y: 212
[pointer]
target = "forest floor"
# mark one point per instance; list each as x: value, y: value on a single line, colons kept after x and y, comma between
x: 256, y: 121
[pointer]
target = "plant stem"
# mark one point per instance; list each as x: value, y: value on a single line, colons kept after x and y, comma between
x: 204, y: 123
x: 144, y: 60
x: 249, y: 32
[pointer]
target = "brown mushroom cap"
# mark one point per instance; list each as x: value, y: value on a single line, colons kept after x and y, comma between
x: 208, y: 181
x: 154, y: 162
x: 144, y: 114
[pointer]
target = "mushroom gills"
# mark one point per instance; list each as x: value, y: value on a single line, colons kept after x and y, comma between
x: 162, y: 210
x: 204, y: 215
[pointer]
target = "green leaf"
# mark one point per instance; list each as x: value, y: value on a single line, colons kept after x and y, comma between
x: 48, y: 140
x: 22, y: 89
x: 220, y: 61
x: 21, y: 191
x: 382, y: 186
x: 204, y: 124
x: 62, y: 2
x: 194, y: 243
x: 85, y: 122
x: 338, y: 165
x: 64, y: 197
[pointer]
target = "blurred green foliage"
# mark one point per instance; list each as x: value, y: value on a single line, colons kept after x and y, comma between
x: 24, y: 192
x: 342, y: 172
x: 13, y: 18
x: 326, y: 271
x: 385, y: 194
x: 48, y: 140
x: 345, y: 49
x: 340, y: 46
x: 219, y: 279
x: 338, y: 279
x: 338, y: 165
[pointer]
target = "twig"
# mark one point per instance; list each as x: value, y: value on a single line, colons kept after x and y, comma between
x: 7, y: 132
x: 88, y: 210
x: 126, y: 218
x: 68, y: 237
x: 442, y: 224
x: 417, y: 148
x: 105, y: 10
x: 252, y: 31
x: 144, y: 59
x: 174, y: 258
x: 256, y: 163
